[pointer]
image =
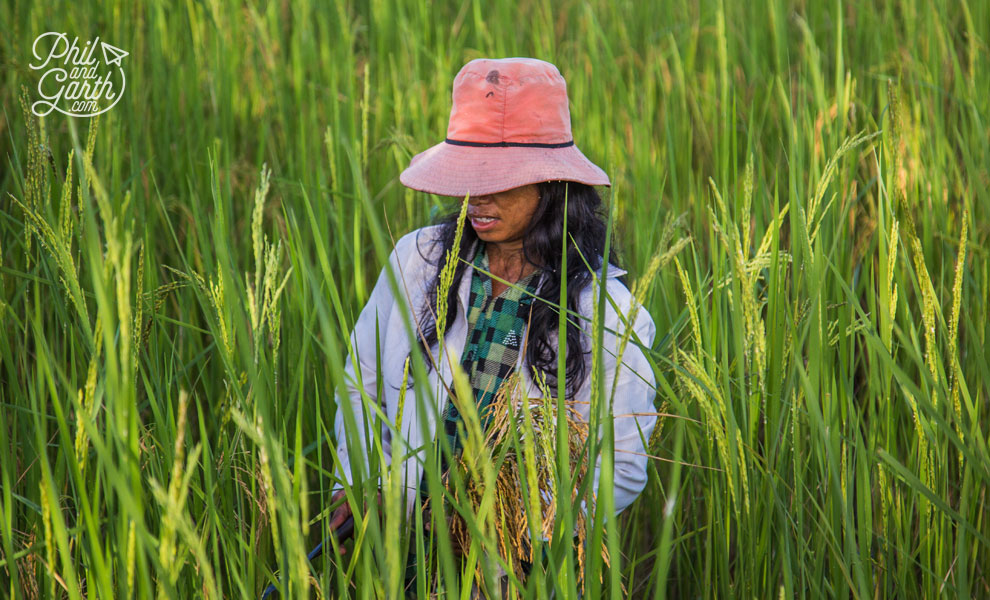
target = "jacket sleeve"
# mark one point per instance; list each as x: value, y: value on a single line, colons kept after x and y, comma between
x: 635, y: 390
x: 364, y: 349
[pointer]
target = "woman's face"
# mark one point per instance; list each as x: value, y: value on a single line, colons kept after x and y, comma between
x: 502, y: 218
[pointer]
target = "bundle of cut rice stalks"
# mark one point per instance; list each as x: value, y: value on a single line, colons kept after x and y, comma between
x: 523, y: 434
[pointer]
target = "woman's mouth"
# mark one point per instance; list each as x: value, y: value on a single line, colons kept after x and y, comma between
x: 483, y: 223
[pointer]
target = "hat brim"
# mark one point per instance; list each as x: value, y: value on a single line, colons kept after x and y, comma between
x: 454, y: 170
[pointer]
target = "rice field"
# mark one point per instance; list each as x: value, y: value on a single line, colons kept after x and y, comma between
x: 800, y: 196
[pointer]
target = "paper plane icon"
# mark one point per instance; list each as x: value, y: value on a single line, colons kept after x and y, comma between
x: 112, y: 54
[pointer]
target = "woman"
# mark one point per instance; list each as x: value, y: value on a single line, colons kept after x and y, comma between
x: 509, y: 150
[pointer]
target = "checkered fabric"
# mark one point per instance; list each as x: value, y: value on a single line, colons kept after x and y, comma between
x: 495, y: 333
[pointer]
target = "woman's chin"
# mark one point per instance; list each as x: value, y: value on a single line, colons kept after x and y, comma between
x: 487, y: 235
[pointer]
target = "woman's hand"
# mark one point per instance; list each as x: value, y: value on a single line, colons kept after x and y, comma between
x: 340, y: 514
x: 343, y: 511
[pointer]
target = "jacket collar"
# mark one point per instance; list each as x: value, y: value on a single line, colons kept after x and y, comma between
x: 614, y: 272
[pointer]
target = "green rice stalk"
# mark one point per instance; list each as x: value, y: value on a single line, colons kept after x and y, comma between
x: 46, y: 520
x: 257, y: 242
x: 754, y: 345
x: 168, y: 550
x: 178, y: 523
x: 692, y: 307
x: 216, y: 296
x: 929, y: 306
x: 36, y: 176
x: 138, y: 323
x: 888, y: 326
x: 85, y: 412
x: 447, y: 273
x: 711, y: 402
x: 954, y: 328
x: 131, y: 556
x: 65, y: 209
x: 393, y: 487
x: 815, y: 217
x: 37, y: 226
x: 641, y: 287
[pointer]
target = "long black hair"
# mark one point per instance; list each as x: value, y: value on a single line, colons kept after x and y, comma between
x: 542, y: 243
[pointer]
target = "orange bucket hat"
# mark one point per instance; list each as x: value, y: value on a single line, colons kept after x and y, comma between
x: 510, y: 126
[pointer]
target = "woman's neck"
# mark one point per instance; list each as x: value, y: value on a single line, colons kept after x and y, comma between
x: 508, y: 261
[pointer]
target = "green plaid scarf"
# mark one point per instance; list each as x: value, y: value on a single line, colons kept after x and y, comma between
x: 495, y: 333
x: 496, y: 329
